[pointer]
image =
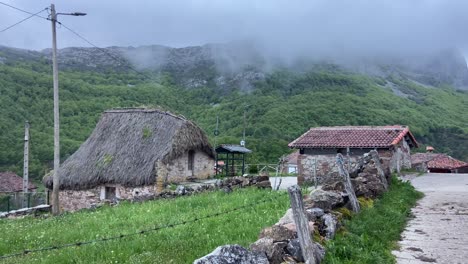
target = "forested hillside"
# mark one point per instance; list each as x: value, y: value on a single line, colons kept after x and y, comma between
x: 279, y: 107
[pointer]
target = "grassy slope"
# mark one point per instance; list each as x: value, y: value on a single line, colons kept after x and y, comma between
x: 181, y: 244
x: 370, y: 236
x: 279, y: 109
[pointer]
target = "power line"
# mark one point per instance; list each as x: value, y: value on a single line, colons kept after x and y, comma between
x: 21, y: 21
x: 106, y: 52
x: 24, y: 11
x: 141, y: 232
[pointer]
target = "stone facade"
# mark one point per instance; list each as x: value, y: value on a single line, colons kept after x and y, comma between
x: 72, y: 200
x: 178, y: 169
x: 323, y: 161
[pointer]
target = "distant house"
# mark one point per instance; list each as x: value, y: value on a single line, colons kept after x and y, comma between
x: 123, y: 157
x: 318, y: 147
x: 10, y: 183
x: 438, y: 163
x: 289, y: 163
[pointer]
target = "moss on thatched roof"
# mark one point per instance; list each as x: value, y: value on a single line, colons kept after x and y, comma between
x: 125, y: 145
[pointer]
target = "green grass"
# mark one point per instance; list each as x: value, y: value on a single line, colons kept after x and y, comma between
x: 371, y: 235
x: 181, y: 244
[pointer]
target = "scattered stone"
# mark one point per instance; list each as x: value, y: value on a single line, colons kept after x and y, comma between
x: 233, y: 254
x: 415, y: 249
x: 426, y: 259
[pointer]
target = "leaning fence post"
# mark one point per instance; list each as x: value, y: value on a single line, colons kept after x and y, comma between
x: 347, y: 183
x: 8, y: 203
x: 302, y: 225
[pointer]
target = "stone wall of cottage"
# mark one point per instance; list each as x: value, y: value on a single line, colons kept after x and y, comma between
x: 325, y: 160
x: 177, y: 171
x: 393, y: 160
x: 72, y: 200
x: 178, y: 168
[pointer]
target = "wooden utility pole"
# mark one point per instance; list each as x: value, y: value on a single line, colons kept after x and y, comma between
x: 56, y: 181
x: 302, y: 225
x: 26, y: 164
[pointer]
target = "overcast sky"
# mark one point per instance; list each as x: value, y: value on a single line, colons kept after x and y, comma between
x: 321, y: 26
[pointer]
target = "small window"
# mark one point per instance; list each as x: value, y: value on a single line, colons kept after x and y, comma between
x: 191, y: 159
x: 110, y: 193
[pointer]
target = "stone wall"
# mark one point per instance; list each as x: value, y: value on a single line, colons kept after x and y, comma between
x: 72, y: 200
x: 327, y: 170
x: 325, y: 166
x: 178, y: 168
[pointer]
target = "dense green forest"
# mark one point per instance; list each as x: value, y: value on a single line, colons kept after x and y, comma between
x: 278, y: 109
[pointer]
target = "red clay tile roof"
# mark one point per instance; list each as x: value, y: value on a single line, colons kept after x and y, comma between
x: 10, y: 182
x: 353, y: 136
x: 292, y: 158
x: 418, y: 158
x: 437, y: 161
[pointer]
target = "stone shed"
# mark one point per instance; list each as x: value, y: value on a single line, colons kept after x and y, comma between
x: 11, y: 183
x: 318, y: 148
x: 125, y: 153
x: 438, y: 163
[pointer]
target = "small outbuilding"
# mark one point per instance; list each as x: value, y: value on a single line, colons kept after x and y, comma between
x: 128, y: 152
x: 319, y: 146
x: 10, y: 182
x: 289, y: 163
x: 438, y: 163
x: 230, y: 158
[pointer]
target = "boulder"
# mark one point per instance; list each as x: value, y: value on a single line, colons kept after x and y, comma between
x: 329, y: 225
x: 294, y: 249
x: 277, y: 233
x: 264, y: 184
x: 180, y: 190
x: 262, y: 178
x: 293, y: 228
x: 314, y: 213
x: 287, y: 218
x: 273, y: 250
x: 233, y: 254
x: 368, y: 185
x: 324, y: 199
x: 337, y: 186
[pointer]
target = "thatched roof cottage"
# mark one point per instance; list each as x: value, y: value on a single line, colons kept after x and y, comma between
x: 125, y: 153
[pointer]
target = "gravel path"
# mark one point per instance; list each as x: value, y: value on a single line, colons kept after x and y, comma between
x: 438, y: 233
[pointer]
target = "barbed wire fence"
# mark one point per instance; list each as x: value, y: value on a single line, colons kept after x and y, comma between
x: 143, y: 231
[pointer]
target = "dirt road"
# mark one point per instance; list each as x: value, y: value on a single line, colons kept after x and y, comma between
x: 439, y: 231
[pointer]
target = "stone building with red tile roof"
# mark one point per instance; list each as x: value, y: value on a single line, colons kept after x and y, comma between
x: 318, y: 147
x: 289, y: 163
x: 10, y: 182
x: 438, y: 163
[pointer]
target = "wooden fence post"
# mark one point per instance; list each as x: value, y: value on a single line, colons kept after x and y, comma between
x: 378, y: 166
x: 302, y: 225
x: 347, y: 183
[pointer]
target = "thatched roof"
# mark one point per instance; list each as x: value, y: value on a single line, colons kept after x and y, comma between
x: 125, y: 146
